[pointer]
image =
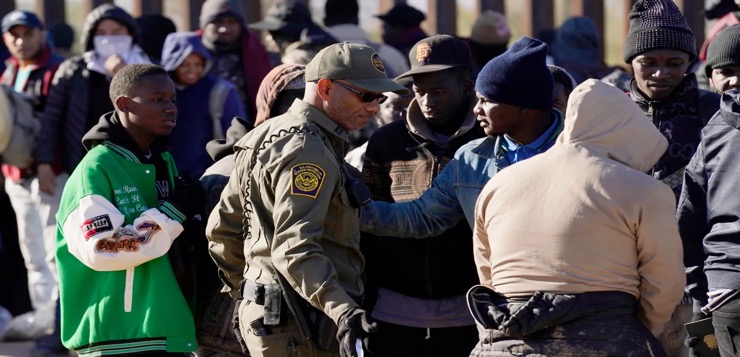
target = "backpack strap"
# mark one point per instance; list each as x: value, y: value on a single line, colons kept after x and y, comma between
x: 216, y: 102
x: 48, y: 78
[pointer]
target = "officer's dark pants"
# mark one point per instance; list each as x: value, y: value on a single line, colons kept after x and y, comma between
x: 395, y: 340
x: 593, y: 324
x: 274, y: 341
x: 726, y: 322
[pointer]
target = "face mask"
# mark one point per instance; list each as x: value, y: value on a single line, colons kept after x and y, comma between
x: 107, y: 45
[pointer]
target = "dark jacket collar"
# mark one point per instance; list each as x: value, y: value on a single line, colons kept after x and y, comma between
x: 729, y: 108
x: 110, y: 131
x: 687, y: 89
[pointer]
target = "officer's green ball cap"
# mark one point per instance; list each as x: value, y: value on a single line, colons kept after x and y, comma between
x: 353, y: 63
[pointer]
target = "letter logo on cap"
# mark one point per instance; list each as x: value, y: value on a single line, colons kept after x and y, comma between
x: 377, y: 62
x: 423, y: 50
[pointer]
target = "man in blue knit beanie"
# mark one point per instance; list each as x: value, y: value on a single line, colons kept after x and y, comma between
x: 514, y: 108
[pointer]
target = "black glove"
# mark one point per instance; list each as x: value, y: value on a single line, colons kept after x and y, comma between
x: 353, y: 325
x: 188, y: 196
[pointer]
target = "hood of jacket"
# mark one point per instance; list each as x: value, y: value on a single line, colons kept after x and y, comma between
x: 109, y: 128
x: 102, y: 12
x: 602, y: 118
x: 178, y: 46
x: 212, y: 9
x: 729, y: 108
x: 418, y: 124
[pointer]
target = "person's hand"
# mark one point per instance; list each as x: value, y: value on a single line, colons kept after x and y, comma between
x: 188, y: 196
x: 113, y: 64
x: 353, y: 325
x: 47, y: 179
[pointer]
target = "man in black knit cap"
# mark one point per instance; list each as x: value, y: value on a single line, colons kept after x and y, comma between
x: 708, y: 210
x: 722, y: 67
x: 660, y: 46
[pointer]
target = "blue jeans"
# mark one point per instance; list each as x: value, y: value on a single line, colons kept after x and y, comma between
x: 726, y: 322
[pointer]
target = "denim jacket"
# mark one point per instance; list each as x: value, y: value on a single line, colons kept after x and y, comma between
x: 452, y: 195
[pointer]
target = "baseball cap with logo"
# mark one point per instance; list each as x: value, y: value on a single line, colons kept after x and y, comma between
x: 19, y: 17
x: 353, y: 63
x: 438, y: 53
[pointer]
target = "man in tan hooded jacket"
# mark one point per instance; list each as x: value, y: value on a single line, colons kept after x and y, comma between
x: 579, y: 246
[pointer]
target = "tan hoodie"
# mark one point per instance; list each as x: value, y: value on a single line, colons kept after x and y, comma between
x: 583, y: 216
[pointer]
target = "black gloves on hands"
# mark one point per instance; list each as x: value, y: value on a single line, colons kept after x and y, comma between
x: 188, y: 196
x: 353, y: 326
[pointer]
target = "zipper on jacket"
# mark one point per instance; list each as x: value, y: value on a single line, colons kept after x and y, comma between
x: 128, y: 291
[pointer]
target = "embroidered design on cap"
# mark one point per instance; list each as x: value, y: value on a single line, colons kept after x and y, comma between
x: 307, y: 180
x: 377, y: 62
x: 423, y: 50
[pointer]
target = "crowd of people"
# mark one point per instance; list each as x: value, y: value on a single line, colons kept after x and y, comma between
x: 285, y: 188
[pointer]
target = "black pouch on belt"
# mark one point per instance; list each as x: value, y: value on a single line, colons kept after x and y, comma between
x: 273, y: 302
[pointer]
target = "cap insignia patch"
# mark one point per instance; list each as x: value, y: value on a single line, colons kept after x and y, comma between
x: 377, y: 62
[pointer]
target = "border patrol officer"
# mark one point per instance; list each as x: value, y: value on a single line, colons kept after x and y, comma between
x: 285, y: 234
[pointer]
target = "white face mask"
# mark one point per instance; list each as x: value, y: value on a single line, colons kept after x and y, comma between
x: 107, y: 45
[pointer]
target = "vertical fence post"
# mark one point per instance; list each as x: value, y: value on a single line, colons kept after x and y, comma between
x: 593, y: 9
x: 442, y: 17
x: 538, y: 16
x: 495, y: 5
x: 146, y: 7
x: 6, y: 6
x: 693, y: 11
x: 50, y: 11
x: 89, y: 5
x: 253, y: 9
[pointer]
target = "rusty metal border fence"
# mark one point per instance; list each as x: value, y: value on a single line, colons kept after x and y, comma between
x: 532, y: 16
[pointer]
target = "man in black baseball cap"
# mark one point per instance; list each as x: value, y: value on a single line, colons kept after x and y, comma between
x: 420, y: 311
x: 401, y: 27
x: 285, y: 21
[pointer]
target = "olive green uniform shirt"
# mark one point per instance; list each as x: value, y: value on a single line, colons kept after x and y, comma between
x: 299, y: 203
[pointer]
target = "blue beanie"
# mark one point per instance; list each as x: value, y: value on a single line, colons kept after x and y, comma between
x: 519, y: 76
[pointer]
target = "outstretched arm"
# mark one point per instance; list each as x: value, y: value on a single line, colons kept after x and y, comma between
x: 436, y: 211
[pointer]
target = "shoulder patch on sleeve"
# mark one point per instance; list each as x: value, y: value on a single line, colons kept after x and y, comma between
x: 96, y: 225
x: 307, y: 180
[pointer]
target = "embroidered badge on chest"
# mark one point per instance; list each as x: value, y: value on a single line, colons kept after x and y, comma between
x: 307, y: 180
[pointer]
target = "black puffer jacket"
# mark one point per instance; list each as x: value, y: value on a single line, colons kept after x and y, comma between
x: 65, y: 119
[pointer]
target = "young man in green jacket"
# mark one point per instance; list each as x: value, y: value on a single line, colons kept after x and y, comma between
x: 121, y: 211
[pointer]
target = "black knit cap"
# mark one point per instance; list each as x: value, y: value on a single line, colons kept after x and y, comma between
x: 724, y: 50
x: 658, y: 24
